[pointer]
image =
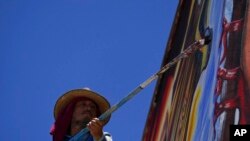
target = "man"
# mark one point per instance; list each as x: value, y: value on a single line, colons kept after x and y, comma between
x: 76, y: 110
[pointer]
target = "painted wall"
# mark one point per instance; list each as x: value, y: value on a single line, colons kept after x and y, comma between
x: 200, y: 97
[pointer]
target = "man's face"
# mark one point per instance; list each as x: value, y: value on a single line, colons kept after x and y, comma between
x: 84, y: 111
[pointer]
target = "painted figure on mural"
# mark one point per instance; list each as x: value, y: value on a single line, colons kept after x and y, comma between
x: 77, y: 109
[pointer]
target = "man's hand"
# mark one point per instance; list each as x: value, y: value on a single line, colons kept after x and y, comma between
x: 95, y: 127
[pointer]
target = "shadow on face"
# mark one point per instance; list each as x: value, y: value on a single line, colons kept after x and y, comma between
x: 84, y: 111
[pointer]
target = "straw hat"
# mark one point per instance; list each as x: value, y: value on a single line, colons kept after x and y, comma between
x: 65, y: 99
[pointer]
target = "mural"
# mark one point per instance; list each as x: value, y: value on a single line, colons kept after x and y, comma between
x: 201, y: 96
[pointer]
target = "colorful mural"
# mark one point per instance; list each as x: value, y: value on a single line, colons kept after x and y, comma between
x: 200, y: 97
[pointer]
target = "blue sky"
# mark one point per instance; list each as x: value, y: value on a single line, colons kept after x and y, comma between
x: 51, y: 46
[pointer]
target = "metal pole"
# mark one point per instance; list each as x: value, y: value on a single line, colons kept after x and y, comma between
x: 184, y: 54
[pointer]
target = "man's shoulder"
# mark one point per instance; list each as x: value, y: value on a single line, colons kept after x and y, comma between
x: 106, y: 136
x: 106, y: 133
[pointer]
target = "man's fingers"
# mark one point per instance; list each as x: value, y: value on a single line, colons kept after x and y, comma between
x: 95, y: 123
x: 98, y: 122
x: 95, y: 127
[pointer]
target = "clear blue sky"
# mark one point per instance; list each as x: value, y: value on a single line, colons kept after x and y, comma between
x: 48, y: 47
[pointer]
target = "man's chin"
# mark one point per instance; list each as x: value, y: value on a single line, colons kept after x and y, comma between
x: 82, y: 119
x: 86, y: 119
x: 81, y: 122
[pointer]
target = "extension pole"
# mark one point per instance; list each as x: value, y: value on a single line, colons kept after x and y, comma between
x: 184, y: 54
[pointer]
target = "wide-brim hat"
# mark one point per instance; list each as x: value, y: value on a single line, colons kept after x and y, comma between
x: 62, y: 102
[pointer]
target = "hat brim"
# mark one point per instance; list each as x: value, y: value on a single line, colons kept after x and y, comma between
x: 65, y: 99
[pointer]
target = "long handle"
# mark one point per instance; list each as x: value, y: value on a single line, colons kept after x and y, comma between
x: 186, y: 53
